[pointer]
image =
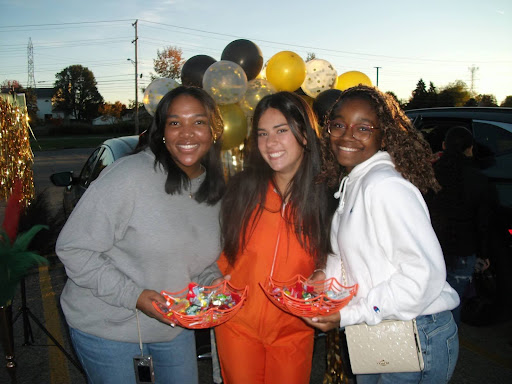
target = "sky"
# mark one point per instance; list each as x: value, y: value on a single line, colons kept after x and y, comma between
x: 437, y: 41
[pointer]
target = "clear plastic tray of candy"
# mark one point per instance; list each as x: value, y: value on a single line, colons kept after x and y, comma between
x: 197, y: 307
x: 300, y: 297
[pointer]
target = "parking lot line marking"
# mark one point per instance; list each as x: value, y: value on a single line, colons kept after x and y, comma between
x: 59, y: 373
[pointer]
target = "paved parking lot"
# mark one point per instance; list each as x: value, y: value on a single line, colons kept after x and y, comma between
x: 485, y: 353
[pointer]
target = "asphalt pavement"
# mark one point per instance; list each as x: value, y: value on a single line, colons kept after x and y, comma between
x: 485, y: 352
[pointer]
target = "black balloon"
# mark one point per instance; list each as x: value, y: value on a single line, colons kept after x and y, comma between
x: 323, y: 104
x: 246, y: 54
x: 194, y: 68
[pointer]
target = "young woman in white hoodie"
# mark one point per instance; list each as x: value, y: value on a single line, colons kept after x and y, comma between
x: 381, y: 233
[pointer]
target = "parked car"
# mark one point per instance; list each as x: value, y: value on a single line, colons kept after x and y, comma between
x: 102, y: 156
x: 492, y: 133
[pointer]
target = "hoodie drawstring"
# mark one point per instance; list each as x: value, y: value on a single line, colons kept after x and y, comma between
x: 341, y: 192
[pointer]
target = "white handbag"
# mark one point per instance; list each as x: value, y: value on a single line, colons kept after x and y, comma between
x: 390, y: 346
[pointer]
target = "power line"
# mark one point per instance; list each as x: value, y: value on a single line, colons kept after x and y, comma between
x: 59, y: 24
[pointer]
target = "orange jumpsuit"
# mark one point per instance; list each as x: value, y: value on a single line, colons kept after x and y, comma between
x: 262, y: 343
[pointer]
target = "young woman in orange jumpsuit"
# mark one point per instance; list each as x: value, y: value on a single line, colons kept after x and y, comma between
x: 275, y: 222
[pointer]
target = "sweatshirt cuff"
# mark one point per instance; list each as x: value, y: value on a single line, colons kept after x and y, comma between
x: 130, y: 297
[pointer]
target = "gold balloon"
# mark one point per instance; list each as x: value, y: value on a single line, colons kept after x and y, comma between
x: 235, y: 125
x: 351, y: 79
x: 286, y: 71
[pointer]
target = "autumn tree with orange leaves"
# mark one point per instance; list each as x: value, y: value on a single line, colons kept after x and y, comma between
x: 168, y: 63
x: 111, y: 112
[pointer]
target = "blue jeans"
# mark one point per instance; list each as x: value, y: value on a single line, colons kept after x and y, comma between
x: 440, y: 348
x: 459, y: 279
x: 111, y: 362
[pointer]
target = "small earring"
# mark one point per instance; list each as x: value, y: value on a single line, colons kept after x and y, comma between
x: 214, y: 138
x: 163, y: 140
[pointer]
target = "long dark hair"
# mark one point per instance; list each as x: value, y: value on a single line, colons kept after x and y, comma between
x: 213, y: 186
x: 410, y: 152
x: 308, y: 215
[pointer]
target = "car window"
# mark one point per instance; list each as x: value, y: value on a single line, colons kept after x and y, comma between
x: 106, y: 158
x: 497, y: 136
x: 434, y: 130
x: 88, y: 168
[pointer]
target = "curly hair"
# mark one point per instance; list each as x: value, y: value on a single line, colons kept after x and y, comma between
x: 409, y: 151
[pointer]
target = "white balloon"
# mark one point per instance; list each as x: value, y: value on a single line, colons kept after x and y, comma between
x: 320, y: 76
x: 225, y: 81
x: 156, y: 91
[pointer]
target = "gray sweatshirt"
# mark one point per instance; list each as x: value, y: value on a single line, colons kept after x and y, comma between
x: 126, y: 235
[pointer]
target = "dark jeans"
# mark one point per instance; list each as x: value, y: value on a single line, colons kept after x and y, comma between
x: 459, y: 279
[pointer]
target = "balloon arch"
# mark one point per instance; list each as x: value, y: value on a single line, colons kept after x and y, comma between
x: 240, y: 80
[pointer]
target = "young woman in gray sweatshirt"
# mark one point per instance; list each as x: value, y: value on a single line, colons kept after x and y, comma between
x: 148, y: 223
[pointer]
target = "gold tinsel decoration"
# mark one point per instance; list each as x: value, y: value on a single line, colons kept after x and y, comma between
x: 336, y: 370
x: 16, y: 157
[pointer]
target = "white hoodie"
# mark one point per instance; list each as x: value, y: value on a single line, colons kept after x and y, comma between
x: 382, y: 232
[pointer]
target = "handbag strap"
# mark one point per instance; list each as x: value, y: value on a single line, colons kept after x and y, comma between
x: 343, y: 273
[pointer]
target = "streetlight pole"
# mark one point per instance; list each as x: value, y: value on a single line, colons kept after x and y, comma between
x: 377, y: 83
x: 136, y: 81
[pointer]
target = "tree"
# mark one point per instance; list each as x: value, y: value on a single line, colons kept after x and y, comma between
x: 507, y: 102
x: 112, y: 112
x: 455, y: 94
x: 432, y: 95
x: 310, y: 56
x: 471, y: 103
x: 76, y: 93
x: 486, y: 101
x: 11, y: 85
x: 419, y: 97
x: 30, y: 96
x: 168, y: 63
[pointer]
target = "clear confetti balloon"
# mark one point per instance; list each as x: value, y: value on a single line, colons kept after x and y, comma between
x: 225, y: 81
x: 257, y: 89
x: 320, y: 76
x: 156, y: 91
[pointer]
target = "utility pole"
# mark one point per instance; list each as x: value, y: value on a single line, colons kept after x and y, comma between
x: 136, y: 80
x: 473, y: 69
x: 377, y: 83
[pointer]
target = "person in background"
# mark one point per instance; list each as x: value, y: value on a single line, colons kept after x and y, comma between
x: 381, y: 232
x: 148, y: 223
x: 461, y: 211
x: 275, y: 222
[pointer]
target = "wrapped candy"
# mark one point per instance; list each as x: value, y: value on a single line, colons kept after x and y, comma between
x: 197, y: 307
x: 301, y: 297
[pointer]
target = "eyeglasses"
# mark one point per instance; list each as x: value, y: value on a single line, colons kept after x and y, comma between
x: 360, y: 132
